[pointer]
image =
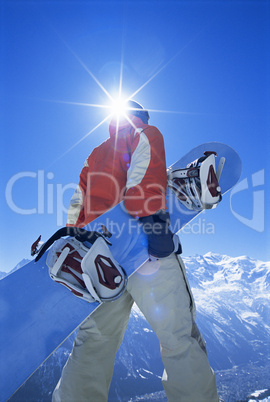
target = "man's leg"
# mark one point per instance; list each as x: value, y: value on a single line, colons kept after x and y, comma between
x: 88, y: 372
x: 161, y: 291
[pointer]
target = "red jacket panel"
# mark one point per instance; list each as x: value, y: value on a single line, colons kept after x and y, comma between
x: 130, y: 165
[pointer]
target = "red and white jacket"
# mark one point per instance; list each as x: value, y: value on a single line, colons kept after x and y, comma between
x: 130, y: 165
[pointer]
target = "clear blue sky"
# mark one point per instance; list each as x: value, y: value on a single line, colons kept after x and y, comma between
x: 202, y: 65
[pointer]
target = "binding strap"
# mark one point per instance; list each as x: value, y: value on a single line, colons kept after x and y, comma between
x: 80, y: 234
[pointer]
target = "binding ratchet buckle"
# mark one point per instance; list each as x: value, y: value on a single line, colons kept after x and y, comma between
x: 197, y: 186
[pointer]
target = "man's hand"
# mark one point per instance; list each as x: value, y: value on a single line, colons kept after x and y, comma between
x: 161, y: 241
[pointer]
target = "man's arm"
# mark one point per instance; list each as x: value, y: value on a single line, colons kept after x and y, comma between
x: 76, y: 210
x: 145, y: 196
x: 146, y: 178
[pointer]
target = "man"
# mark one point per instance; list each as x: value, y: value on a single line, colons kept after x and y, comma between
x: 131, y: 166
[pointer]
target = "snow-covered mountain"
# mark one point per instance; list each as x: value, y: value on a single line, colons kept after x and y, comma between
x: 18, y: 266
x: 2, y: 274
x: 232, y: 294
x: 233, y: 313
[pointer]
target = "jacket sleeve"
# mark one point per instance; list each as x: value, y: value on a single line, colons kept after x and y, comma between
x: 76, y: 209
x: 146, y: 178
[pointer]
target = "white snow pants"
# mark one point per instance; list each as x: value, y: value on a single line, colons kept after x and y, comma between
x: 161, y: 291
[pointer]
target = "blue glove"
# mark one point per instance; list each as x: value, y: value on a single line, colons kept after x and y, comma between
x: 161, y: 241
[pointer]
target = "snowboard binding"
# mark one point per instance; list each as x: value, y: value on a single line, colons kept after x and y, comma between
x: 197, y: 186
x: 84, y: 264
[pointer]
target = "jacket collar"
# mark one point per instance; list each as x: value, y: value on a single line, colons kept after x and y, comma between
x: 125, y: 126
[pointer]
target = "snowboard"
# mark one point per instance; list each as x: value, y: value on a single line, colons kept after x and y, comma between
x: 37, y: 314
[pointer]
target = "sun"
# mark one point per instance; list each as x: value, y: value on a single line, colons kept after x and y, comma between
x: 116, y: 105
x: 119, y: 107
